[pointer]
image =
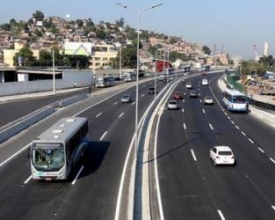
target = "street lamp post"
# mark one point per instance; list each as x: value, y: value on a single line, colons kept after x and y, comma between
x: 137, y: 70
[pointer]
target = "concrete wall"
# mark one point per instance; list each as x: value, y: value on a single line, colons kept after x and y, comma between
x: 71, y: 78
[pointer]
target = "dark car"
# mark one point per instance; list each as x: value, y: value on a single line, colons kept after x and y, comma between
x: 152, y: 90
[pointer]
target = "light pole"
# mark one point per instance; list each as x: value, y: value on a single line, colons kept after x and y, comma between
x: 54, y: 88
x: 137, y: 71
x: 118, y: 45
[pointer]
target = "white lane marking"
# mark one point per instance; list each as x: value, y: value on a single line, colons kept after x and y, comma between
x: 228, y: 117
x: 211, y: 126
x: 203, y: 111
x: 193, y: 154
x: 251, y: 141
x: 115, y: 103
x: 182, y: 110
x: 221, y: 215
x: 184, y: 126
x: 232, y: 122
x: 103, y: 135
x: 243, y: 134
x: 121, y: 115
x: 273, y: 207
x: 14, y: 155
x: 260, y: 149
x: 78, y: 174
x: 272, y: 160
x: 156, y: 172
x: 98, y: 114
x: 28, y: 179
x: 142, y: 95
x: 133, y: 103
x: 237, y: 127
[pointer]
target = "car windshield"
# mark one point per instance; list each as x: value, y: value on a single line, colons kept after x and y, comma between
x: 126, y: 96
x: 225, y: 153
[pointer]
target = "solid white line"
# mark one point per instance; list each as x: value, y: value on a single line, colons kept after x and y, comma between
x: 272, y: 160
x: 252, y: 142
x: 14, y: 155
x: 28, y: 179
x: 121, y: 115
x: 260, y: 149
x: 221, y: 215
x: 103, y: 135
x: 115, y: 103
x: 184, y: 126
x: 193, y: 154
x: 203, y: 111
x: 243, y: 133
x: 156, y: 172
x: 75, y: 179
x: 98, y: 114
x: 211, y: 126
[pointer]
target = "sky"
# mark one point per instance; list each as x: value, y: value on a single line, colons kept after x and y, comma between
x: 230, y: 26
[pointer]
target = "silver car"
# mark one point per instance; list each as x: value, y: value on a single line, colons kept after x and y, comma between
x: 172, y: 105
x: 208, y: 100
x: 126, y: 98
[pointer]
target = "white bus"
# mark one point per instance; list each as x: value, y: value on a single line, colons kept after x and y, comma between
x: 57, y: 150
x: 106, y: 81
x: 234, y: 100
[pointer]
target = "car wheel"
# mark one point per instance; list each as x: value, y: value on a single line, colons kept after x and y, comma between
x: 214, y: 163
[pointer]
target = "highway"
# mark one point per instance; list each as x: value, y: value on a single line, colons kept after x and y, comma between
x: 190, y: 186
x: 93, y: 195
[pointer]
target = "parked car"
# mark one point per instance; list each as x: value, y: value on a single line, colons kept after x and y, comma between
x: 193, y: 94
x: 208, y: 100
x: 178, y: 95
x: 172, y: 105
x: 222, y: 155
x: 126, y: 98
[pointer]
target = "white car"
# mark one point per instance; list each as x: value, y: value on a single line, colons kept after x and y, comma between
x: 188, y: 85
x: 204, y: 82
x: 172, y: 105
x: 222, y: 155
x: 208, y: 100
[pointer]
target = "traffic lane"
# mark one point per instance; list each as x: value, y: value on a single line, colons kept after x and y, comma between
x: 95, y: 192
x: 226, y: 131
x: 242, y: 191
x: 217, y: 198
x: 245, y: 121
x: 181, y: 184
x: 17, y: 109
x: 97, y: 148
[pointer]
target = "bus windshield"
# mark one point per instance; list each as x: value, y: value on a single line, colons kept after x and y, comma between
x: 239, y: 99
x: 48, y: 156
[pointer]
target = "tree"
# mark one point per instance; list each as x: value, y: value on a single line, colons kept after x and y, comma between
x: 206, y: 50
x: 27, y: 57
x: 45, y: 58
x: 120, y: 22
x: 38, y: 15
